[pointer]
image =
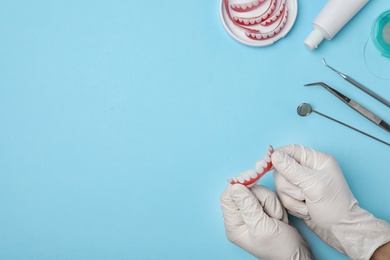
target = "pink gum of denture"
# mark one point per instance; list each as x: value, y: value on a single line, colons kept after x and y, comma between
x: 257, y: 19
x: 251, y: 177
x: 246, y: 7
x: 276, y: 15
x: 266, y: 35
x: 226, y: 4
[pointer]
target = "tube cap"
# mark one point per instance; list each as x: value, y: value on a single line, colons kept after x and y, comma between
x: 314, y: 39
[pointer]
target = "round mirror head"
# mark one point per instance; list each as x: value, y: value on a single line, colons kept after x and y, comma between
x: 304, y: 109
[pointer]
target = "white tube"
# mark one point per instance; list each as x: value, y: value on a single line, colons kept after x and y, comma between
x: 334, y: 15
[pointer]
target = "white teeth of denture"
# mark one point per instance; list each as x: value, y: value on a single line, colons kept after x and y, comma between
x: 252, y: 174
x: 260, y: 166
x: 259, y: 169
x: 276, y: 15
x: 275, y: 12
x: 250, y: 177
x: 279, y: 27
x: 258, y: 19
x: 246, y: 6
x: 246, y: 176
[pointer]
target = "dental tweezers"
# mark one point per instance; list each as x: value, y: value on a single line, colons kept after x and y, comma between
x: 359, y: 85
x: 356, y: 106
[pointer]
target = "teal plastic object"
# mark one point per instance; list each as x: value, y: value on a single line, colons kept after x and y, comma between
x: 380, y: 33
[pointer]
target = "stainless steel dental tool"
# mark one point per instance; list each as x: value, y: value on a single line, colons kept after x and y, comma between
x: 356, y: 106
x: 359, y: 85
x: 305, y: 109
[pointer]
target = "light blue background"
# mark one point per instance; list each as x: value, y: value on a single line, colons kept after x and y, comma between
x: 121, y: 120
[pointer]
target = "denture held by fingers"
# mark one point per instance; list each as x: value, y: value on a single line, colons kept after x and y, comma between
x: 251, y: 177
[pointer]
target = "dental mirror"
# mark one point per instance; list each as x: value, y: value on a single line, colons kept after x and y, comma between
x: 305, y: 109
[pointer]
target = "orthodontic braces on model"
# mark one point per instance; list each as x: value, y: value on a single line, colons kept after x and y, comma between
x: 251, y: 177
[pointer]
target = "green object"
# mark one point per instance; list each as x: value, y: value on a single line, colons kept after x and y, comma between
x: 380, y: 33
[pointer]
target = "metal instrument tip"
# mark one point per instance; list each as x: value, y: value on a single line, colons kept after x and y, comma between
x: 338, y: 72
x: 315, y: 84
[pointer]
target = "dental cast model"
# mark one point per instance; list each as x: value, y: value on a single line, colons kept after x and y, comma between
x: 251, y: 177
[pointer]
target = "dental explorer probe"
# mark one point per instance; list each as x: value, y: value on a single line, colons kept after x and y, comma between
x: 359, y: 85
x: 354, y: 105
x: 305, y: 109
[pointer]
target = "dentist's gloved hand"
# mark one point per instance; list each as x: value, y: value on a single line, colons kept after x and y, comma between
x: 256, y: 221
x: 311, y: 186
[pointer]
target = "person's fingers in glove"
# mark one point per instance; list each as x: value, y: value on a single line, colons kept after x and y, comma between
x: 291, y: 197
x: 243, y: 212
x: 328, y: 205
x: 318, y: 176
x: 270, y: 203
x: 256, y: 221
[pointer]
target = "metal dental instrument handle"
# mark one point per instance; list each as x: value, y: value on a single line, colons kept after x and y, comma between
x: 305, y: 109
x: 356, y: 106
x: 359, y: 85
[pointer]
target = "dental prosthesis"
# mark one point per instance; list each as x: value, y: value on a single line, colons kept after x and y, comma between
x: 258, y: 22
x: 251, y: 177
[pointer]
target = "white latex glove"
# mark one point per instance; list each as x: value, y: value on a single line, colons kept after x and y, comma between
x: 311, y: 186
x: 256, y: 221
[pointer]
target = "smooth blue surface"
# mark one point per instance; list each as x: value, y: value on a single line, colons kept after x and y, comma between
x: 121, y: 120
